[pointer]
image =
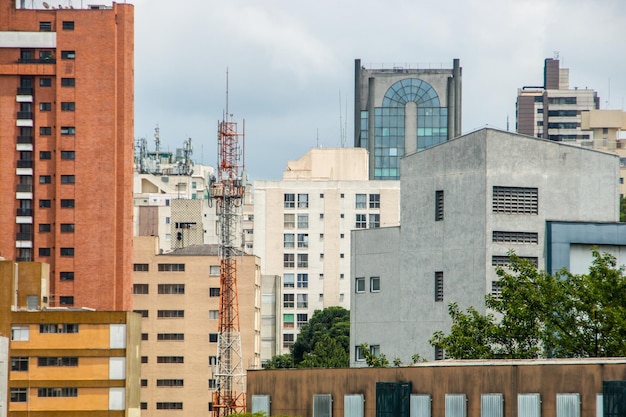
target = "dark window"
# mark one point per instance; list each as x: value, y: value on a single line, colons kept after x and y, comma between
x: 213, y: 337
x: 45, y: 106
x: 19, y: 395
x: 67, y: 227
x: 67, y: 203
x: 288, y: 260
x: 439, y: 286
x: 44, y: 251
x: 45, y: 155
x: 45, y: 82
x: 68, y: 179
x: 170, y: 359
x: 144, y: 336
x: 171, y: 313
x: 45, y: 179
x: 55, y: 361
x: 439, y: 353
x: 144, y: 313
x: 140, y: 267
x: 68, y: 82
x: 58, y: 328
x: 505, y: 260
x: 19, y: 363
x: 67, y: 251
x: 374, y: 200
x: 44, y: 227
x: 68, y: 155
x: 45, y: 26
x: 374, y: 284
x: 57, y: 392
x: 438, y: 205
x: 170, y: 383
x: 289, y: 200
x: 214, y: 292
x: 171, y: 267
x: 140, y: 288
x: 45, y: 203
x: 143, y: 406
x: 144, y: 382
x: 169, y: 406
x: 45, y: 56
x: 361, y: 221
x: 144, y: 359
x: 68, y: 106
x: 67, y: 276
x: 68, y: 54
x: 67, y: 300
x: 171, y: 289
x: 45, y: 131
x: 68, y: 130
x: 170, y: 336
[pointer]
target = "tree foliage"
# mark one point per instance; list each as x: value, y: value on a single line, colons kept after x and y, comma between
x: 279, y: 362
x: 372, y: 360
x: 324, y: 341
x: 622, y: 209
x: 543, y: 315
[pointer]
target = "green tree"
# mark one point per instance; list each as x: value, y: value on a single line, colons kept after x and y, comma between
x: 324, y: 341
x: 372, y: 360
x: 622, y: 209
x: 279, y: 362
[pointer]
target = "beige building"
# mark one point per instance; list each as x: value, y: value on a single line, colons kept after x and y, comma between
x: 177, y: 293
x: 302, y: 230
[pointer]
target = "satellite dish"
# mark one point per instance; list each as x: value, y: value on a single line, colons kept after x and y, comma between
x: 46, y: 5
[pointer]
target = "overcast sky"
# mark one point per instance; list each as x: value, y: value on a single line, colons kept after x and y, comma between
x: 291, y: 63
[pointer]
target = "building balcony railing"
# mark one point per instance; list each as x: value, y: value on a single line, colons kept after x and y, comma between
x: 24, y: 212
x: 24, y: 188
x: 24, y: 91
x: 24, y: 236
x: 23, y: 259
x: 36, y: 61
x: 24, y: 164
x: 24, y: 114
x: 24, y: 139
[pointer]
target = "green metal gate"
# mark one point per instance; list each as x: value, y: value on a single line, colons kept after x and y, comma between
x: 614, y: 398
x: 393, y: 399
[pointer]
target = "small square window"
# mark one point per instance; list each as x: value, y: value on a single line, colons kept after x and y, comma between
x: 44, y: 227
x: 68, y: 25
x: 68, y: 82
x: 68, y: 155
x: 45, y: 131
x: 44, y: 251
x: 67, y: 276
x: 45, y: 179
x: 359, y: 285
x: 67, y: 251
x: 45, y: 203
x: 45, y: 26
x: 213, y: 337
x: 213, y: 314
x: 68, y: 54
x: 321, y: 195
x: 66, y: 300
x: 374, y: 284
x: 144, y: 336
x: 45, y: 155
x: 68, y: 106
x: 214, y: 292
x: 144, y: 359
x: 67, y: 203
x: 45, y: 106
x: 45, y: 82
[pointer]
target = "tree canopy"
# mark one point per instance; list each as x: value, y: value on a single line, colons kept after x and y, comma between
x: 542, y: 315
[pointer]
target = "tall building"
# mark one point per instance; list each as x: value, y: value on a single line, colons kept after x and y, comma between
x: 553, y: 110
x: 302, y: 230
x: 66, y: 148
x: 399, y: 111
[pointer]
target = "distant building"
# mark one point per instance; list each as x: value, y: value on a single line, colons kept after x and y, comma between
x: 66, y: 146
x: 553, y: 110
x: 302, y: 233
x: 464, y: 205
x: 401, y: 110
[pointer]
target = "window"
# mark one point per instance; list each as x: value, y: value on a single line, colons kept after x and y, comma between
x: 67, y: 227
x: 303, y: 240
x: 45, y: 155
x: 374, y: 284
x: 515, y: 237
x: 19, y: 363
x: 374, y: 200
x: 68, y: 276
x: 212, y: 337
x: 342, y: 195
x: 45, y: 55
x: 67, y: 203
x: 303, y: 260
x: 18, y: 395
x: 45, y: 179
x: 288, y: 300
x: 45, y: 203
x: 171, y: 267
x: 45, y: 82
x: 45, y: 26
x: 44, y: 251
x: 144, y: 336
x: 170, y: 359
x: 214, y: 314
x: 68, y: 54
x: 144, y: 313
x: 439, y: 286
x: 439, y: 353
x: 288, y: 321
x: 144, y: 383
x: 66, y: 300
x: 144, y: 359
x: 341, y: 255
x: 341, y: 235
x: 58, y: 328
x: 358, y: 354
x: 359, y: 284
x: 54, y: 361
x: 361, y: 222
x: 171, y: 313
x: 68, y: 106
x: 505, y: 260
x: 290, y: 200
x: 68, y: 130
x: 303, y: 301
x: 303, y: 280
x: 214, y: 270
x: 289, y: 221
x: 288, y: 280
x: 303, y: 201
x: 212, y: 360
x: 169, y: 406
x: 212, y: 385
x: 302, y: 319
x: 321, y: 195
x: 171, y: 289
x: 45, y: 131
x: 496, y: 290
x: 515, y: 200
x: 68, y: 155
x: 288, y: 240
x: 214, y: 292
x: 303, y: 221
x: 140, y: 267
x: 288, y: 339
x: 170, y: 383
x: 341, y: 215
x: 67, y: 251
x: 68, y: 25
x: 288, y: 260
x: 68, y: 82
x: 438, y: 205
x: 361, y: 201
x: 374, y: 221
x: 170, y: 336
x: 57, y: 392
x: 140, y: 288
x: 20, y: 333
x: 45, y: 106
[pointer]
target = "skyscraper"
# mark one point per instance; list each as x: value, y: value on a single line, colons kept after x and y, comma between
x: 399, y: 111
x: 66, y: 148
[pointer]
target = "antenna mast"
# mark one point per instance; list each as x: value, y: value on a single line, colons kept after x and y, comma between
x: 228, y: 191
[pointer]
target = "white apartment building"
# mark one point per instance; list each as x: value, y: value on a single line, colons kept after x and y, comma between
x: 302, y: 227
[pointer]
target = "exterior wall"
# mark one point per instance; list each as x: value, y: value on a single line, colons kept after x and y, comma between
x: 103, y: 144
x: 199, y: 321
x: 4, y: 375
x: 291, y: 390
x: 271, y: 307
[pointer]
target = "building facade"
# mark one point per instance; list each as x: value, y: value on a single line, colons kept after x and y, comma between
x: 178, y: 294
x: 398, y: 111
x: 66, y: 111
x: 464, y: 205
x: 302, y: 230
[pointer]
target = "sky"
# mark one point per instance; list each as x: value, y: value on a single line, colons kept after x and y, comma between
x: 290, y: 64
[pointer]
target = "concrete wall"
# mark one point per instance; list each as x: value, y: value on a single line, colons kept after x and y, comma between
x: 4, y: 375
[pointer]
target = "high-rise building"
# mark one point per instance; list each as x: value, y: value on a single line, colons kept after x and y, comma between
x: 553, y: 110
x: 66, y: 148
x: 400, y: 110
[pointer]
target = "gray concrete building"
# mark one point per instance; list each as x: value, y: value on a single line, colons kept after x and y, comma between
x: 400, y: 110
x: 464, y: 204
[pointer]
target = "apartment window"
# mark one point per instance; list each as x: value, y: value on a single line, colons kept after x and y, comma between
x: 144, y: 313
x: 303, y: 240
x: 67, y: 227
x: 214, y: 270
x: 68, y: 106
x: 19, y: 363
x: 438, y: 205
x: 169, y: 406
x: 321, y: 256
x: 143, y: 406
x: 342, y: 195
x: 374, y: 221
x: 170, y: 383
x: 171, y: 313
x: 290, y: 200
x: 288, y: 339
x: 68, y: 155
x: 68, y: 25
x: 68, y: 130
x: 214, y: 314
x: 68, y: 82
x: 288, y: 280
x: 288, y: 321
x: 303, y: 221
x: 303, y: 201
x: 171, y: 267
x: 57, y: 392
x: 45, y: 106
x: 212, y: 337
x: 341, y: 255
x: 66, y: 300
x: 374, y: 284
x: 321, y: 235
x: 58, y: 328
x: 341, y: 235
x: 302, y: 301
x: 67, y: 203
x: 45, y: 55
x: 288, y: 260
x: 289, y: 221
x: 170, y: 336
x: 288, y: 300
x: 361, y: 222
x: 44, y: 252
x: 68, y: 276
x: 515, y: 200
x: 45, y: 26
x: 212, y: 385
x: 321, y: 195
x: 45, y: 203
x: 439, y: 353
x: 303, y: 260
x: 20, y: 333
x: 214, y: 292
x: 361, y: 201
x: 359, y: 284
x: 168, y: 220
x: 170, y: 359
x: 515, y: 237
x: 45, y: 155
x: 140, y: 288
x: 358, y: 354
x: 171, y: 289
x: 18, y: 395
x: 374, y: 200
x: 45, y: 82
x: 144, y: 359
x: 54, y: 361
x: 288, y: 241
x: 212, y: 360
x: 505, y: 260
x: 303, y: 280
x: 68, y: 54
x: 321, y: 216
x: 45, y: 131
x: 341, y: 216
x: 140, y: 267
x: 496, y: 290
x: 67, y: 251
x: 45, y: 179
x: 439, y: 286
x: 144, y: 383
x: 302, y: 319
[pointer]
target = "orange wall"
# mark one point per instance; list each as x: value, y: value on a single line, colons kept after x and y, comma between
x: 87, y: 369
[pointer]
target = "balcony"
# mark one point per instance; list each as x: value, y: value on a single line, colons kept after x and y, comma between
x: 24, y: 236
x: 37, y: 61
x: 24, y: 91
x: 23, y: 259
x: 25, y: 139
x: 25, y: 115
x: 24, y: 188
x: 24, y: 164
x: 24, y: 212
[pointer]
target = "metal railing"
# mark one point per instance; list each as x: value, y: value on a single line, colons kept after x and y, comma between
x: 24, y: 139
x: 36, y: 61
x: 24, y: 114
x: 24, y: 236
x: 24, y: 188
x: 24, y: 91
x: 24, y: 212
x: 24, y: 164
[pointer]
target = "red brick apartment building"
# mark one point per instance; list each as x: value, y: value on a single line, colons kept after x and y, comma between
x: 66, y: 147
